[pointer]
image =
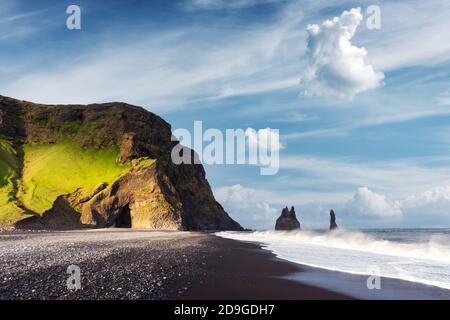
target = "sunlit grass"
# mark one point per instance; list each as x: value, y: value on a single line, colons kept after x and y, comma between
x: 53, y: 170
x: 9, y: 211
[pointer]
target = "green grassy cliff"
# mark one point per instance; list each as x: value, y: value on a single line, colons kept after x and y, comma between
x: 100, y: 165
x: 9, y: 210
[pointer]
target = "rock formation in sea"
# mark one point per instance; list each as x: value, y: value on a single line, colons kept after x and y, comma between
x: 98, y: 165
x: 287, y: 220
x: 333, y: 224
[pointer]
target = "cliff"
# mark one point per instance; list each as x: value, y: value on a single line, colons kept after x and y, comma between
x: 99, y: 165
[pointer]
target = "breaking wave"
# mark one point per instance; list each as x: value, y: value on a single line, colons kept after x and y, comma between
x: 419, y: 256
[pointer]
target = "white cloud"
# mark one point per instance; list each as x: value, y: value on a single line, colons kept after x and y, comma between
x: 368, y: 203
x: 417, y: 207
x: 337, y: 68
x: 245, y: 204
x: 431, y: 202
x: 264, y: 139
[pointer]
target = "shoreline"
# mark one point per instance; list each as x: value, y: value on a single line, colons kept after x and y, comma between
x: 246, y: 271
x: 354, y: 286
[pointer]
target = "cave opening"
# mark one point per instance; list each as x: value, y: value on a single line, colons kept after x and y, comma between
x: 123, y: 219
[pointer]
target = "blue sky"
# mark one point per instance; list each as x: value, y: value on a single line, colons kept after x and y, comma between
x: 379, y: 155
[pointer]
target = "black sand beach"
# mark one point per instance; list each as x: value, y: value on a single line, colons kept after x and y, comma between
x: 131, y: 264
x: 126, y: 264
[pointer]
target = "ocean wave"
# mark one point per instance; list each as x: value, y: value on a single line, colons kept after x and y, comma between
x: 427, y: 262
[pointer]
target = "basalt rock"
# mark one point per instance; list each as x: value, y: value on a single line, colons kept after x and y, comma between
x: 153, y: 193
x: 287, y: 220
x: 61, y: 216
x: 333, y: 224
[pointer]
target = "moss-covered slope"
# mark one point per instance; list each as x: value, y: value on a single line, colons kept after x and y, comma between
x: 51, y: 170
x: 9, y: 210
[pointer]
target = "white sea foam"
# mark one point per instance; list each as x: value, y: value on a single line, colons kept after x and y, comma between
x: 407, y: 257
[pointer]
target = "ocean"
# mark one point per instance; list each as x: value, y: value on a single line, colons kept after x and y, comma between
x: 415, y: 255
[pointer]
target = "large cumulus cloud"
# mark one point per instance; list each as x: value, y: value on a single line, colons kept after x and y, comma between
x: 246, y: 205
x: 365, y: 202
x: 337, y: 68
x: 430, y: 203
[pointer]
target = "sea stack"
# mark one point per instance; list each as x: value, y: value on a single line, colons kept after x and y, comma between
x: 287, y: 220
x: 333, y: 224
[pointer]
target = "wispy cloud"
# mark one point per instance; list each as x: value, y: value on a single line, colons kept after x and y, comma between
x: 405, y: 26
x: 378, y: 116
x: 214, y: 64
x: 401, y: 177
x: 17, y: 23
x: 223, y: 4
x: 19, y: 16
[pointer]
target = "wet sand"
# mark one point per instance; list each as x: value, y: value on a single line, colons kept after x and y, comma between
x: 242, y: 271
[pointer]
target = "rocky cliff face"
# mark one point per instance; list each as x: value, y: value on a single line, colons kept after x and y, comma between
x: 99, y: 165
x: 287, y: 220
x: 333, y: 224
